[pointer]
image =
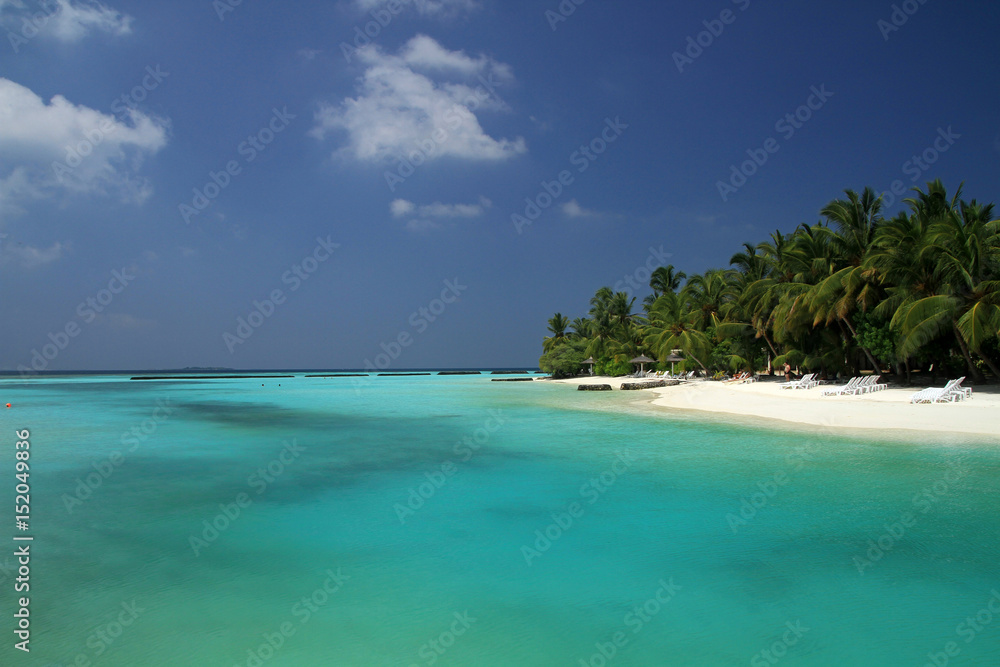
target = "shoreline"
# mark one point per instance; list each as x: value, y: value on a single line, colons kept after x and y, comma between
x: 887, y: 410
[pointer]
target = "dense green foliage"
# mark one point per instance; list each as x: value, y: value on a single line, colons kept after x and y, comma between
x: 564, y: 358
x: 613, y: 367
x: 853, y: 291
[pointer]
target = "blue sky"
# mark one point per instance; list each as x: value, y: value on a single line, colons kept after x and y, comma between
x: 113, y: 115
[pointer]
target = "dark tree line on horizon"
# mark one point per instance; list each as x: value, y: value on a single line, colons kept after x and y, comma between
x: 855, y: 290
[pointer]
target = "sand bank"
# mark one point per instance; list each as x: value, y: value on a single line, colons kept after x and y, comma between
x: 888, y: 409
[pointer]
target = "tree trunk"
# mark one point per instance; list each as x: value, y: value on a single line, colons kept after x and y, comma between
x: 973, y: 371
x: 699, y: 362
x: 769, y: 343
x: 991, y: 364
x: 898, y: 371
x: 875, y: 365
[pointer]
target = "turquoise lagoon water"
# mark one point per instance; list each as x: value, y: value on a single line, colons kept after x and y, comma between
x: 385, y: 538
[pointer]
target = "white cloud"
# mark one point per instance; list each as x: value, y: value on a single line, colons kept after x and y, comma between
x: 423, y: 52
x: 422, y: 226
x: 572, y: 209
x: 308, y: 55
x: 429, y: 215
x: 66, y: 20
x: 44, y: 147
x: 423, y: 99
x: 28, y: 257
x: 436, y: 8
x: 439, y: 210
x: 401, y: 207
x: 75, y: 19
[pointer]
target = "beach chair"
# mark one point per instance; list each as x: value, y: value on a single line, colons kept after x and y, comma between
x: 844, y: 388
x: 935, y: 395
x: 870, y: 384
x: 964, y: 392
x: 805, y: 382
x: 864, y: 386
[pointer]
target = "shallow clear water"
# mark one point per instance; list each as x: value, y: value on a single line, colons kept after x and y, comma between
x: 400, y: 529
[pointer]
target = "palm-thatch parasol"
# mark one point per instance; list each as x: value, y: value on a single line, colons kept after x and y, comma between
x: 642, y: 360
x: 673, y: 358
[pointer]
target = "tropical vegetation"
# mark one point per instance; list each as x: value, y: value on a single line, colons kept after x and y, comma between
x: 918, y: 291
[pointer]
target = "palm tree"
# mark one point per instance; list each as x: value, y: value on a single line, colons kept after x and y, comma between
x: 581, y: 327
x: 851, y: 287
x: 922, y: 286
x: 964, y: 240
x: 600, y: 302
x: 620, y: 308
x: 557, y: 325
x: 663, y: 279
x: 672, y: 325
x: 921, y: 300
x: 711, y: 294
x: 855, y: 221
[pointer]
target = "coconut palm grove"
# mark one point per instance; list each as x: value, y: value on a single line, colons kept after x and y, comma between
x: 917, y: 292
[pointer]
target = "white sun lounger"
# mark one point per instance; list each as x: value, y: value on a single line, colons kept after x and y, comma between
x: 844, y: 388
x: 806, y: 382
x: 935, y: 395
x: 866, y: 385
x: 965, y: 392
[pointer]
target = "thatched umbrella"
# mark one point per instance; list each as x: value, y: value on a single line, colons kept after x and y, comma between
x: 590, y: 361
x: 674, y: 358
x: 642, y: 360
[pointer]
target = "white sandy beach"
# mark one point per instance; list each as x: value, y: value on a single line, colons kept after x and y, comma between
x: 888, y: 409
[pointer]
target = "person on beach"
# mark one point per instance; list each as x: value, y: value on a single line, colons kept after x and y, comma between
x: 788, y: 372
